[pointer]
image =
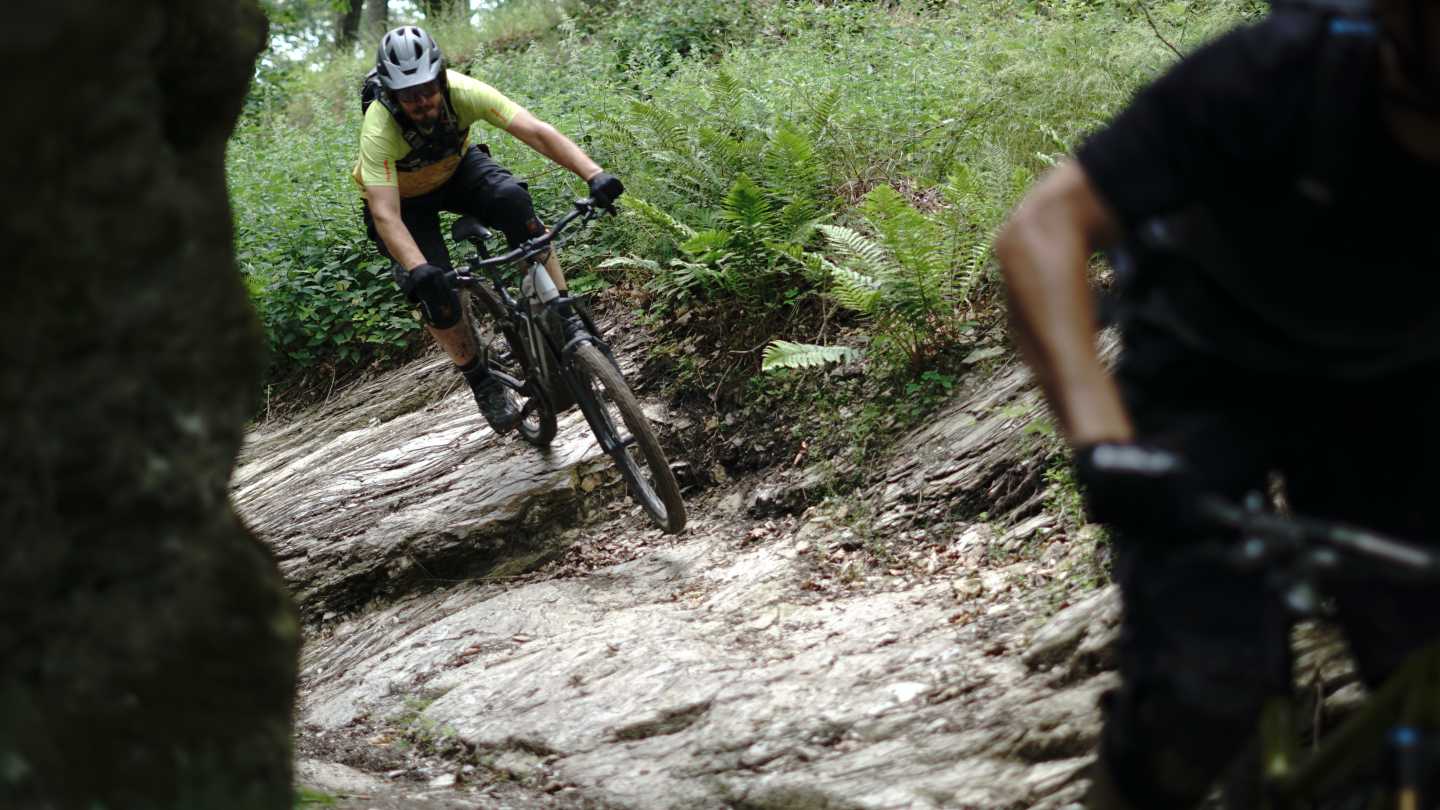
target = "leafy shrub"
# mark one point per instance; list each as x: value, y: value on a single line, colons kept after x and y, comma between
x: 322, y: 291
x: 767, y: 189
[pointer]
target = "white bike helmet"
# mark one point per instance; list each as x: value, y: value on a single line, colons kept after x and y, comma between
x: 408, y: 56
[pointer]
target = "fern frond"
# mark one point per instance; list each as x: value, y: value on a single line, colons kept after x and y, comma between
x: 746, y: 205
x: 727, y: 93
x: 667, y: 127
x: 706, y: 242
x: 647, y: 211
x: 725, y: 153
x: 796, y: 222
x: 681, y: 279
x: 631, y: 263
x: 786, y: 354
x: 823, y: 112
x: 855, y: 291
x: 791, y: 166
x: 979, y: 260
x: 818, y: 269
x: 868, y: 255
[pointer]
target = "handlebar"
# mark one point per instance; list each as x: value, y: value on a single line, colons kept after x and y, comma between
x: 584, y: 209
x: 1270, y: 539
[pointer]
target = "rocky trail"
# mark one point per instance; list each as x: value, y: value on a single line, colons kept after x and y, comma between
x: 492, y: 626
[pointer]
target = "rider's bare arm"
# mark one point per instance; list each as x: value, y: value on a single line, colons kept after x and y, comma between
x: 384, y: 202
x: 548, y: 141
x: 1043, y: 250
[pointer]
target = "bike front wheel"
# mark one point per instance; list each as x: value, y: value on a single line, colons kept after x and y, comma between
x: 624, y: 433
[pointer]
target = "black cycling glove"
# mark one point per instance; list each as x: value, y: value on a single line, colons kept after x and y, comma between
x: 1145, y: 491
x: 605, y: 188
x: 427, y: 286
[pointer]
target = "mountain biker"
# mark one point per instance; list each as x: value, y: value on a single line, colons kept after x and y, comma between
x: 416, y: 160
x: 1278, y: 280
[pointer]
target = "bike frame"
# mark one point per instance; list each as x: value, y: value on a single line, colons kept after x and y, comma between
x: 1405, y: 703
x: 1392, y: 717
x: 528, y: 313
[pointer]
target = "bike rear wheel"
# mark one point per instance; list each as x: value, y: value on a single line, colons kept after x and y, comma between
x: 502, y: 349
x: 625, y: 435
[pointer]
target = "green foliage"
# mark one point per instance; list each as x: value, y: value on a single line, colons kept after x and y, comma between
x: 786, y: 354
x: 309, y: 798
x: 737, y: 128
x: 770, y: 191
x: 639, y: 32
x: 322, y: 291
x: 1062, y: 494
x: 928, y: 390
x: 517, y: 23
x: 903, y: 279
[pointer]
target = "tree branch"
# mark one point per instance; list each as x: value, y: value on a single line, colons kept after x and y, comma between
x: 1153, y: 27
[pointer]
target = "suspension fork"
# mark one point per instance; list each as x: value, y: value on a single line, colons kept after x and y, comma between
x: 1279, y: 748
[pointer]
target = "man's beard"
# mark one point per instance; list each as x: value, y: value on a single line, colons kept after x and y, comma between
x: 427, y: 125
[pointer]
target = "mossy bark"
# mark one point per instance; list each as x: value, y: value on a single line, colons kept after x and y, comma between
x: 147, y: 646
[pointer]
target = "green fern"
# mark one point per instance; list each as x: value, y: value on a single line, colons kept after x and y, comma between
x: 726, y: 93
x: 866, y: 254
x: 763, y: 190
x: 979, y: 215
x: 857, y: 292
x: 903, y: 279
x: 683, y: 280
x: 631, y: 263
x: 671, y: 226
x: 823, y: 113
x: 746, y: 206
x: 791, y: 167
x: 786, y: 354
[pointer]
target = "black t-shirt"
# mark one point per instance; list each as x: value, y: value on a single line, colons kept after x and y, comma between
x: 1350, y: 288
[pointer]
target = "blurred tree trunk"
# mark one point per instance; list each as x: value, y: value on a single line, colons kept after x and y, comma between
x: 148, y: 649
x: 377, y: 17
x: 347, y: 25
x: 434, y: 9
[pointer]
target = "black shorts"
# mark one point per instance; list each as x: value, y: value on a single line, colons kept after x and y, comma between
x: 481, y: 188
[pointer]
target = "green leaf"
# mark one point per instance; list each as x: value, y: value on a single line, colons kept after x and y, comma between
x: 786, y: 354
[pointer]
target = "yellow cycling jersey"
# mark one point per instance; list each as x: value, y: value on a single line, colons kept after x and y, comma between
x: 386, y: 159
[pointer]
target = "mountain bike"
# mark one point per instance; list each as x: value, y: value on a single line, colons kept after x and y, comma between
x: 1396, y: 731
x: 522, y: 340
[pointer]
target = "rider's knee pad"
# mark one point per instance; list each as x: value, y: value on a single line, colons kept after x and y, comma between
x: 514, y: 212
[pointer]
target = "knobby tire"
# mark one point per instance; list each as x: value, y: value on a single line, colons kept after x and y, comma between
x: 660, y: 495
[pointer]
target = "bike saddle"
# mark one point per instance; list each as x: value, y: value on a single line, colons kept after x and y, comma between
x: 469, y: 229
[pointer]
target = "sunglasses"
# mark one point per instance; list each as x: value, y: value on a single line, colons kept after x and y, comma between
x: 419, y: 92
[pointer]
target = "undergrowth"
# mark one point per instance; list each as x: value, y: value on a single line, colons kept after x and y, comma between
x: 827, y: 174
